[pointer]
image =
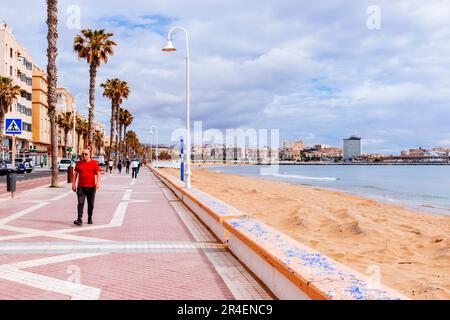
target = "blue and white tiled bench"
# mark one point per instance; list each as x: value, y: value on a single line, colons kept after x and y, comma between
x: 292, y: 270
x: 288, y: 268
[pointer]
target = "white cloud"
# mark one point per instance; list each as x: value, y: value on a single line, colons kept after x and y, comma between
x: 306, y: 68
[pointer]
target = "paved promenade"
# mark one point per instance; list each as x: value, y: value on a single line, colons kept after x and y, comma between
x: 144, y: 244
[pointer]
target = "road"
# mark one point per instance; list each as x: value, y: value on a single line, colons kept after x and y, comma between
x: 30, y: 176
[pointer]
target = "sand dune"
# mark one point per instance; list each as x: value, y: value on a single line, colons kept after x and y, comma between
x: 411, y: 249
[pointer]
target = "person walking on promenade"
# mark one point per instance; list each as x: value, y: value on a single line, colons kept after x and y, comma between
x: 119, y: 166
x: 127, y: 166
x: 134, y: 168
x: 111, y: 164
x: 88, y: 174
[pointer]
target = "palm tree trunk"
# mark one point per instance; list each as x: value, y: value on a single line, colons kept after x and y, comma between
x: 52, y: 53
x: 78, y: 144
x: 117, y: 135
x: 111, y: 137
x: 120, y: 136
x: 65, y: 143
x: 125, y: 141
x: 92, y: 76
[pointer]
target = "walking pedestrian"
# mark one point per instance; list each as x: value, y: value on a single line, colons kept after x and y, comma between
x: 127, y: 166
x: 119, y: 166
x: 88, y: 174
x: 134, y: 168
x: 111, y: 164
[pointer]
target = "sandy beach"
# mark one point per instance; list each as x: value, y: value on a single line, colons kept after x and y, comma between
x: 411, y: 249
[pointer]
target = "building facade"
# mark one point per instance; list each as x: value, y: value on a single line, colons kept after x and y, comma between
x: 352, y: 148
x: 16, y: 63
x: 65, y: 103
x: 40, y: 121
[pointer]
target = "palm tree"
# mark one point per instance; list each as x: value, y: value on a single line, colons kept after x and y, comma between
x: 133, y: 143
x: 85, y: 133
x: 116, y: 90
x: 65, y: 122
x: 95, y: 46
x: 8, y: 94
x: 79, y: 128
x: 127, y: 119
x: 98, y: 140
x: 52, y: 82
x: 118, y: 131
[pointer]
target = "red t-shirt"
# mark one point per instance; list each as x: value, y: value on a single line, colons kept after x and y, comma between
x: 86, y: 173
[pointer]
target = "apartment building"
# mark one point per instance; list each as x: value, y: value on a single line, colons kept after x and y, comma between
x: 65, y: 103
x: 41, y: 133
x: 16, y: 63
x: 40, y: 119
x: 352, y: 148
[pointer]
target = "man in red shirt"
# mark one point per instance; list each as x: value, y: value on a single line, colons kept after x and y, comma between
x: 88, y: 173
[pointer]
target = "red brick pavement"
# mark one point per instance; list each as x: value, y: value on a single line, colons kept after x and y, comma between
x: 147, y: 217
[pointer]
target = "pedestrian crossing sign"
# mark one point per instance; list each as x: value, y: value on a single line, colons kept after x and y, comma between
x: 13, y: 126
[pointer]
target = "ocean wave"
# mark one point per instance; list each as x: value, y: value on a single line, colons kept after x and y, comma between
x: 295, y: 176
x: 433, y: 206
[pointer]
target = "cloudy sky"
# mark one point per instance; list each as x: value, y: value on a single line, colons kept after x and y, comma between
x: 314, y: 71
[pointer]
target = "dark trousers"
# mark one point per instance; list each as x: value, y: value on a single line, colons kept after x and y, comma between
x: 128, y: 170
x: 134, y: 172
x: 82, y: 194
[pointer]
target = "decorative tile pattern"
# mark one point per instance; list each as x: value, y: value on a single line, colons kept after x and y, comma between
x: 330, y: 277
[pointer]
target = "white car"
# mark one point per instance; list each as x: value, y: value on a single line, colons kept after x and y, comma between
x: 64, y: 164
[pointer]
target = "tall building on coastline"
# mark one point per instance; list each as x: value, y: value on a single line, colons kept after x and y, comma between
x: 16, y: 63
x: 352, y: 148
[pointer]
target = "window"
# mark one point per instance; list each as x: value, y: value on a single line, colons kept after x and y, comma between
x: 26, y: 126
x: 10, y: 52
x: 26, y: 95
x: 11, y: 71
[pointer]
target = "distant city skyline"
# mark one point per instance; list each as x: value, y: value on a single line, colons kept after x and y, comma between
x: 315, y: 72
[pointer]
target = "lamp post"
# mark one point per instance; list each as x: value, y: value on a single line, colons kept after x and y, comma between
x: 170, y: 48
x: 151, y: 132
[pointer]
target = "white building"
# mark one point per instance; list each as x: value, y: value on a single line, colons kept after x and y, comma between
x: 16, y: 63
x: 352, y: 148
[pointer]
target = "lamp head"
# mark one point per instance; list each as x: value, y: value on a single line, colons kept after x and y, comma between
x: 169, y: 47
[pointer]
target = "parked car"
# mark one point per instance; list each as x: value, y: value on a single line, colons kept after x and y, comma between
x: 64, y: 164
x: 100, y: 160
x: 27, y: 162
x: 20, y: 168
x: 4, y: 168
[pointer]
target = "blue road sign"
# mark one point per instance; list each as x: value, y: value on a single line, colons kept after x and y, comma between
x: 13, y: 126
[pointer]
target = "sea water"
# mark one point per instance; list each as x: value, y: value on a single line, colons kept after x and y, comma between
x: 419, y: 187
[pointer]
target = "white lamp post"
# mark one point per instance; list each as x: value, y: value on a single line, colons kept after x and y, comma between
x: 151, y: 132
x: 170, y: 48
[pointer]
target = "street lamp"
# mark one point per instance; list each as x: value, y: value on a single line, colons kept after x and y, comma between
x: 170, y: 48
x: 151, y: 132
